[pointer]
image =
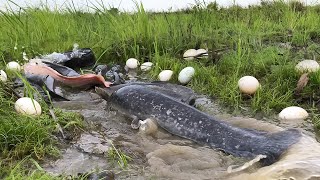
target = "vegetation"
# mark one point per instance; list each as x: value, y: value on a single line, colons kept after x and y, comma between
x: 19, y: 170
x: 28, y: 137
x: 264, y: 41
x: 116, y: 156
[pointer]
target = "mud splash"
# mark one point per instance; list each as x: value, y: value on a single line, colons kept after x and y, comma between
x: 301, y: 161
x: 164, y: 156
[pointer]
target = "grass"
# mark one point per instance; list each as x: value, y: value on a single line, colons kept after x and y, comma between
x: 117, y: 156
x: 25, y: 136
x: 18, y: 170
x: 264, y: 41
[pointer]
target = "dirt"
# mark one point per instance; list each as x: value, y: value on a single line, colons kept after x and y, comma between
x: 165, y: 156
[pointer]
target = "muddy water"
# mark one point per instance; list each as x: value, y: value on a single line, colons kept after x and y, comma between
x: 164, y: 156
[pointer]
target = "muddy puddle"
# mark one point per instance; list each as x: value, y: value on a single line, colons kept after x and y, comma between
x: 164, y: 156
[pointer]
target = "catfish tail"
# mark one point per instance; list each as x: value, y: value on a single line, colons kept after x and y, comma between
x: 276, y: 144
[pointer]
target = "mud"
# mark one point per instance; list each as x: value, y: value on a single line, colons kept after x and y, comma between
x: 164, y: 156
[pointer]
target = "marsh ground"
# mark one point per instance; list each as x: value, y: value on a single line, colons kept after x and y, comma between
x: 264, y: 41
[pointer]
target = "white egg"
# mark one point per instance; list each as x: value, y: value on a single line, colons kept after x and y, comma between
x: 165, y: 75
x: 148, y: 126
x: 248, y: 84
x: 293, y: 113
x: 146, y: 66
x: 186, y: 75
x: 3, y: 76
x: 27, y: 106
x: 190, y: 54
x: 308, y: 66
x: 202, y: 53
x: 13, y: 66
x: 132, y: 63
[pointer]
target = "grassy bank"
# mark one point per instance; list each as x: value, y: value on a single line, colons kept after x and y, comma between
x: 26, y: 140
x: 265, y: 41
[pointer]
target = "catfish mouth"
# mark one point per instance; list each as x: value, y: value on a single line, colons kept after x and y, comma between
x: 105, y: 93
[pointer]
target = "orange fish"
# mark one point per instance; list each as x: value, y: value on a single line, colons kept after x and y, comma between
x: 40, y: 68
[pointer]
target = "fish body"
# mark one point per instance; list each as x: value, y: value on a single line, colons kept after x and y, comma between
x: 178, y: 92
x: 188, y: 122
x: 38, y: 68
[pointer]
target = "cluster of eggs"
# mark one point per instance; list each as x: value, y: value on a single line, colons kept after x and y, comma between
x: 184, y: 77
x: 11, y: 66
x: 295, y: 112
x: 187, y: 73
x: 249, y: 85
x: 133, y: 63
x: 24, y: 105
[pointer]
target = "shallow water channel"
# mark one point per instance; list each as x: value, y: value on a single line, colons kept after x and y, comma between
x: 165, y: 156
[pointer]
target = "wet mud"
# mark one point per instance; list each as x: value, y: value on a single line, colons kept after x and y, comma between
x: 165, y: 156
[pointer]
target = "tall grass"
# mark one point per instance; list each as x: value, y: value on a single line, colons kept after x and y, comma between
x: 249, y: 40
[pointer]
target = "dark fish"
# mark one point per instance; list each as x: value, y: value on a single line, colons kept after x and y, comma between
x: 63, y: 70
x: 78, y: 58
x: 178, y: 92
x: 181, y: 119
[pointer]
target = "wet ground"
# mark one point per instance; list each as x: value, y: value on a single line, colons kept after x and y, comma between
x: 164, y: 156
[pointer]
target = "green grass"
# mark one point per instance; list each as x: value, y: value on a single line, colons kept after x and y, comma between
x: 24, y: 136
x: 27, y: 168
x: 242, y: 41
x: 116, y: 156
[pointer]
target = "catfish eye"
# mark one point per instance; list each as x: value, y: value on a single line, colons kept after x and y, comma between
x: 36, y: 63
